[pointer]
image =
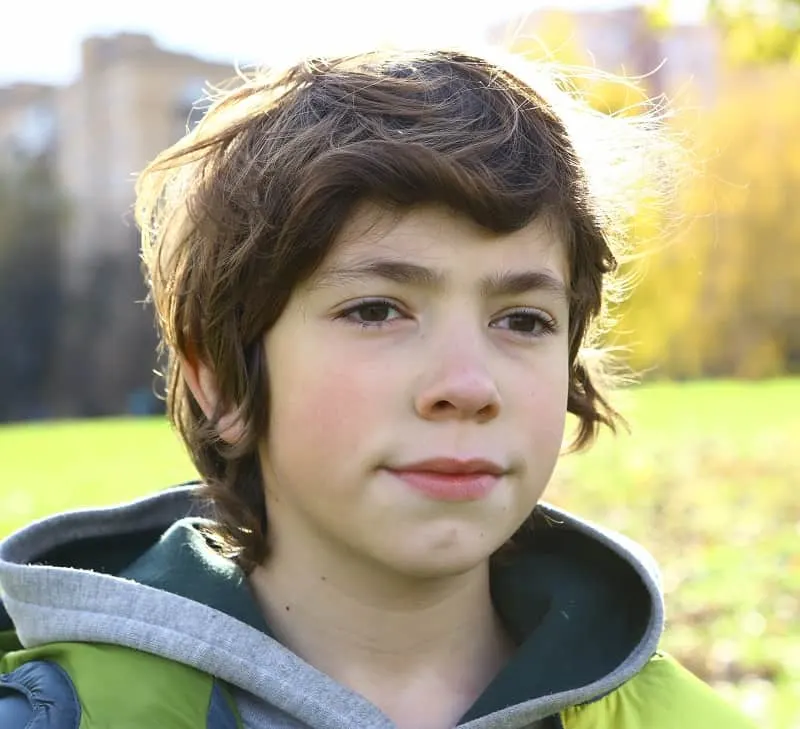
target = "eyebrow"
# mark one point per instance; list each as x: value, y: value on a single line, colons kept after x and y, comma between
x: 499, y: 284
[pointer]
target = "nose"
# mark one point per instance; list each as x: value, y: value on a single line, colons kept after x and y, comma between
x: 459, y: 387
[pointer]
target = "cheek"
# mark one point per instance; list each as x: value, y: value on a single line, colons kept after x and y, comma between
x: 322, y: 409
x: 543, y: 409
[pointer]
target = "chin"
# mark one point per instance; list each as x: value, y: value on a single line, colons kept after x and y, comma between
x: 444, y: 557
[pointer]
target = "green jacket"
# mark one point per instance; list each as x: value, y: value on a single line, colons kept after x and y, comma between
x: 125, y: 617
x: 109, y: 687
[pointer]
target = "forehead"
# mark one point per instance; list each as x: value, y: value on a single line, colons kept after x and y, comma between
x: 435, y: 236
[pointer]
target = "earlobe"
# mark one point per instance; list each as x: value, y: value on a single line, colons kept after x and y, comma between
x: 201, y: 382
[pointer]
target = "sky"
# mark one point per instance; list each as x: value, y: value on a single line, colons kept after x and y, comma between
x: 40, y: 41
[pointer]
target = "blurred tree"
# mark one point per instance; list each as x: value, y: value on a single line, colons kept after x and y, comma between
x: 31, y: 213
x: 107, y: 351
x: 79, y: 353
x: 720, y: 296
x: 557, y: 40
x: 723, y: 298
x: 659, y: 14
x: 759, y: 32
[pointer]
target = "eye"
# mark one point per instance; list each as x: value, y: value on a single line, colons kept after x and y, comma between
x: 372, y: 313
x: 526, y: 322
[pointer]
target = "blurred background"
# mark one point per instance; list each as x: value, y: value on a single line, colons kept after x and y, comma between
x: 707, y: 477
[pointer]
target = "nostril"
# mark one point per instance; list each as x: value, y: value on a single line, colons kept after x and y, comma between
x: 488, y: 411
x: 459, y: 395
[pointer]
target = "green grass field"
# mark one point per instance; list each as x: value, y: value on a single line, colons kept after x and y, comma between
x: 708, y: 481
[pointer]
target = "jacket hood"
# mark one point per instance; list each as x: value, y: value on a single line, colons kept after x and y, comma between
x: 582, y: 603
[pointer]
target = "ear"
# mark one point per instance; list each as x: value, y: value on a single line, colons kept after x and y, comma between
x: 200, y: 380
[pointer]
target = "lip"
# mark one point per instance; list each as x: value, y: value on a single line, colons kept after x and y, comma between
x: 450, y: 479
x: 453, y: 466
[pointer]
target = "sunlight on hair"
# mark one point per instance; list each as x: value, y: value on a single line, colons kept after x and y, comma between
x: 254, y: 196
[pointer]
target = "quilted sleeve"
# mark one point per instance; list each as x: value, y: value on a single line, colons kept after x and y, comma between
x: 38, y: 695
x: 663, y: 695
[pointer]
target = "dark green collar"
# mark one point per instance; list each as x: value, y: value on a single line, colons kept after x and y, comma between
x: 574, y: 607
x: 181, y: 562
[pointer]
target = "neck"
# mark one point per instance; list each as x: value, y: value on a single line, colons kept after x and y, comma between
x: 433, y: 643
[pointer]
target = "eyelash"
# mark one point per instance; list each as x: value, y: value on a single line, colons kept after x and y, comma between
x: 546, y: 323
x: 347, y: 314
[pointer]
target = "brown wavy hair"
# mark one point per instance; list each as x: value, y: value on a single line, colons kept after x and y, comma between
x: 249, y: 203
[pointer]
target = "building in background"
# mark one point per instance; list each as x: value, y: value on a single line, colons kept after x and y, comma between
x: 28, y: 124
x: 692, y: 70
x: 131, y: 100
x: 678, y: 60
x: 78, y: 149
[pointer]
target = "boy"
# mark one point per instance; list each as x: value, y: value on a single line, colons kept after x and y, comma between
x: 376, y: 278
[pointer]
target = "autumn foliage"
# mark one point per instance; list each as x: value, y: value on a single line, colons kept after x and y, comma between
x: 718, y: 271
x: 723, y: 296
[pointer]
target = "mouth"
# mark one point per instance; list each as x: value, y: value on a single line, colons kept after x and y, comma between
x: 454, y: 466
x: 450, y: 479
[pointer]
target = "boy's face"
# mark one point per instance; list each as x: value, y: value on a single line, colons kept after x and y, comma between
x: 420, y: 340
